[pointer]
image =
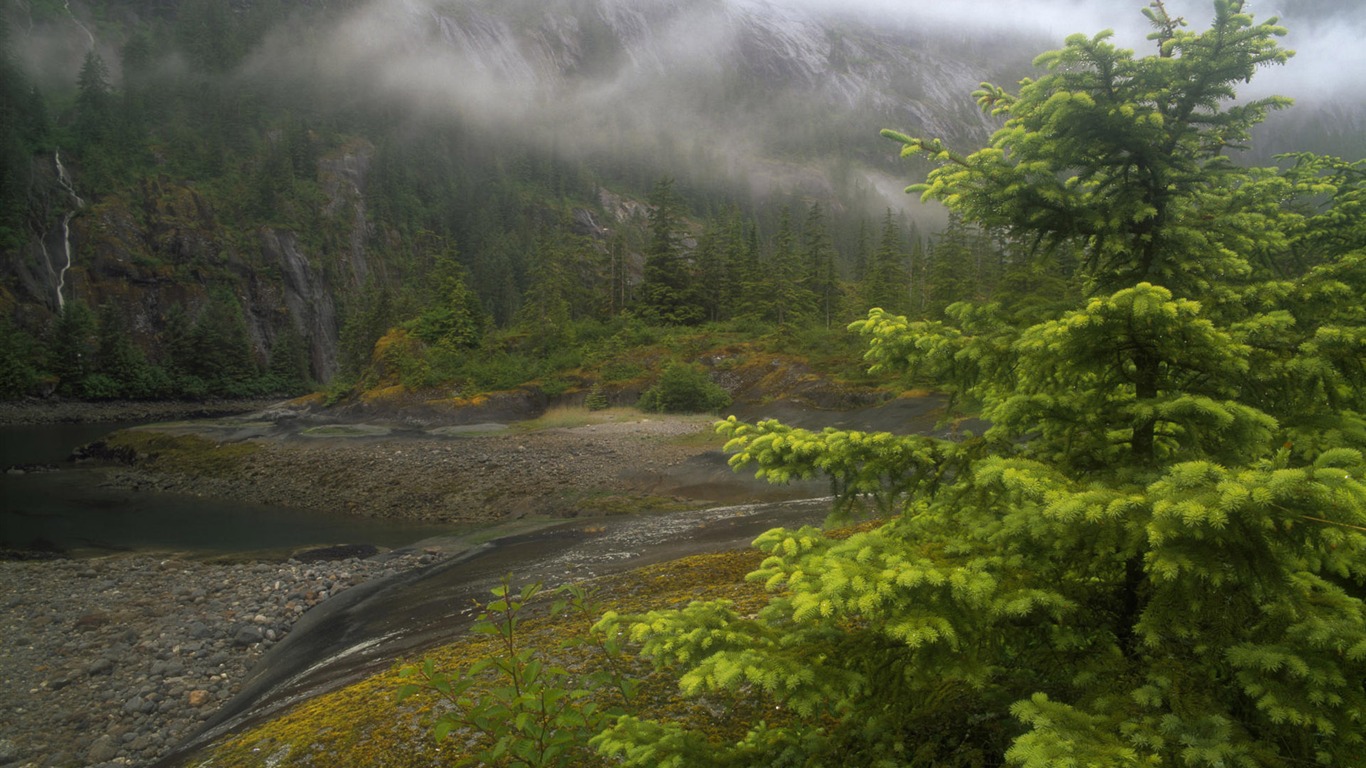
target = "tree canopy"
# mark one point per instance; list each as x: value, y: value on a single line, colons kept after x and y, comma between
x: 1155, y: 555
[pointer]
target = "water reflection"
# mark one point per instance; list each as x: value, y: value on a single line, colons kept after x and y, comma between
x: 68, y: 509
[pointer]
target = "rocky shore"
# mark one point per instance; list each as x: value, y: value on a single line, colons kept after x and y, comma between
x: 560, y: 472
x: 115, y: 661
x: 112, y: 662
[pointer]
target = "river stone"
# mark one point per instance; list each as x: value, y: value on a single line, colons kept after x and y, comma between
x: 338, y: 552
x: 247, y: 635
x: 103, y: 750
x: 102, y: 666
x: 198, y: 698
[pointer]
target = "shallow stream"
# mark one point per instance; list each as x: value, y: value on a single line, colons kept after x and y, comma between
x: 69, y: 510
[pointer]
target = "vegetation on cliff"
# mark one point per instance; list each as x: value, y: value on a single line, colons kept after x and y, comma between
x: 190, y: 185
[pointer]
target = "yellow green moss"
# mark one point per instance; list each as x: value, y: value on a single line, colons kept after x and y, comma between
x: 182, y: 453
x: 392, y: 392
x: 361, y: 725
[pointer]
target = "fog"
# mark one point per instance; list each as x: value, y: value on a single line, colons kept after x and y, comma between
x: 665, y: 82
x: 1329, y: 58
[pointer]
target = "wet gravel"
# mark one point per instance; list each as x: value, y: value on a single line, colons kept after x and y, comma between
x: 556, y: 473
x: 115, y: 661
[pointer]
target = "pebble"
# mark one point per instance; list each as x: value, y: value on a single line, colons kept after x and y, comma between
x: 115, y: 661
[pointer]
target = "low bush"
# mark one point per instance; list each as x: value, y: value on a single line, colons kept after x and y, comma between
x: 684, y: 388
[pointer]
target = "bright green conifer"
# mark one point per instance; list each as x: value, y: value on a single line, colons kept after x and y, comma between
x: 1157, y: 553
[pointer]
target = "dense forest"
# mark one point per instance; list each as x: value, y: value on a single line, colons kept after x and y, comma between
x: 196, y: 213
x: 173, y: 227
x: 1154, y: 553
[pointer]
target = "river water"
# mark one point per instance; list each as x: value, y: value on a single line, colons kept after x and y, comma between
x: 69, y: 510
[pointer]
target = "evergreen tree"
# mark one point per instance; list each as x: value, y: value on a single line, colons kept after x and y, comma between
x: 18, y: 357
x: 94, y: 99
x: 454, y: 318
x: 367, y: 315
x: 668, y: 291
x: 781, y: 295
x: 712, y: 273
x: 863, y: 252
x: 960, y: 266
x: 96, y: 124
x: 619, y: 282
x: 886, y: 282
x: 71, y: 351
x: 23, y: 129
x: 740, y: 251
x: 1154, y: 556
x: 220, y: 346
x: 118, y: 358
x: 822, y: 273
x: 546, y: 307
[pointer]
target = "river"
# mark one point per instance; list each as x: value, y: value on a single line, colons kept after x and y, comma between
x: 69, y: 510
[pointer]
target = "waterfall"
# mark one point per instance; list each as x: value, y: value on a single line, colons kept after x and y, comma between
x: 67, y: 7
x: 65, y: 181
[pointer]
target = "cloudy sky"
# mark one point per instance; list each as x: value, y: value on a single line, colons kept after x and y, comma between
x: 1329, y: 61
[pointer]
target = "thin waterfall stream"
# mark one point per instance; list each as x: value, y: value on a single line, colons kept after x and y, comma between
x: 66, y: 220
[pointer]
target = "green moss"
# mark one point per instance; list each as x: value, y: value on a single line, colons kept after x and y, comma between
x: 347, y: 430
x: 361, y: 725
x: 181, y: 453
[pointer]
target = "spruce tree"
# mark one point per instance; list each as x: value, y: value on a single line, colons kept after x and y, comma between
x: 782, y: 295
x: 886, y: 282
x: 72, y: 347
x: 1155, y: 555
x: 546, y: 307
x: 453, y: 317
x: 668, y: 291
x: 822, y: 273
x: 712, y: 273
x: 94, y: 99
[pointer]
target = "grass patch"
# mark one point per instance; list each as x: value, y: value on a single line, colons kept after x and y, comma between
x: 570, y: 417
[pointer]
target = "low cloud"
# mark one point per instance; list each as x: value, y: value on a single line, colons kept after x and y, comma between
x: 1328, y: 61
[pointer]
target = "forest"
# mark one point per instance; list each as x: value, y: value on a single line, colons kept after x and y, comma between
x: 481, y: 262
x: 1154, y: 553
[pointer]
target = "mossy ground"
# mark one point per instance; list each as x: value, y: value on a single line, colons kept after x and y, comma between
x: 362, y: 725
x: 186, y: 454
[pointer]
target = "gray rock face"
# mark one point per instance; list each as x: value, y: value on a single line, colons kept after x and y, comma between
x: 308, y: 298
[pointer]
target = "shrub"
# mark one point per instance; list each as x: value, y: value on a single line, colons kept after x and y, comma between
x: 684, y: 388
x: 515, y: 707
x: 596, y: 399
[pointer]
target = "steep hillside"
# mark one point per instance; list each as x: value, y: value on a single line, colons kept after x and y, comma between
x: 307, y: 166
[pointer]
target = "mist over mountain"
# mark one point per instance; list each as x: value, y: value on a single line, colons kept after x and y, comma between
x: 763, y: 95
x: 740, y: 85
x: 295, y: 155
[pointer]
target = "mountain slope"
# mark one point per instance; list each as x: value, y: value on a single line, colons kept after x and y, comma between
x: 308, y: 160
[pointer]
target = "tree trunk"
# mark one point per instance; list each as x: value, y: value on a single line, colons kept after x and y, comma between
x: 1146, y: 374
